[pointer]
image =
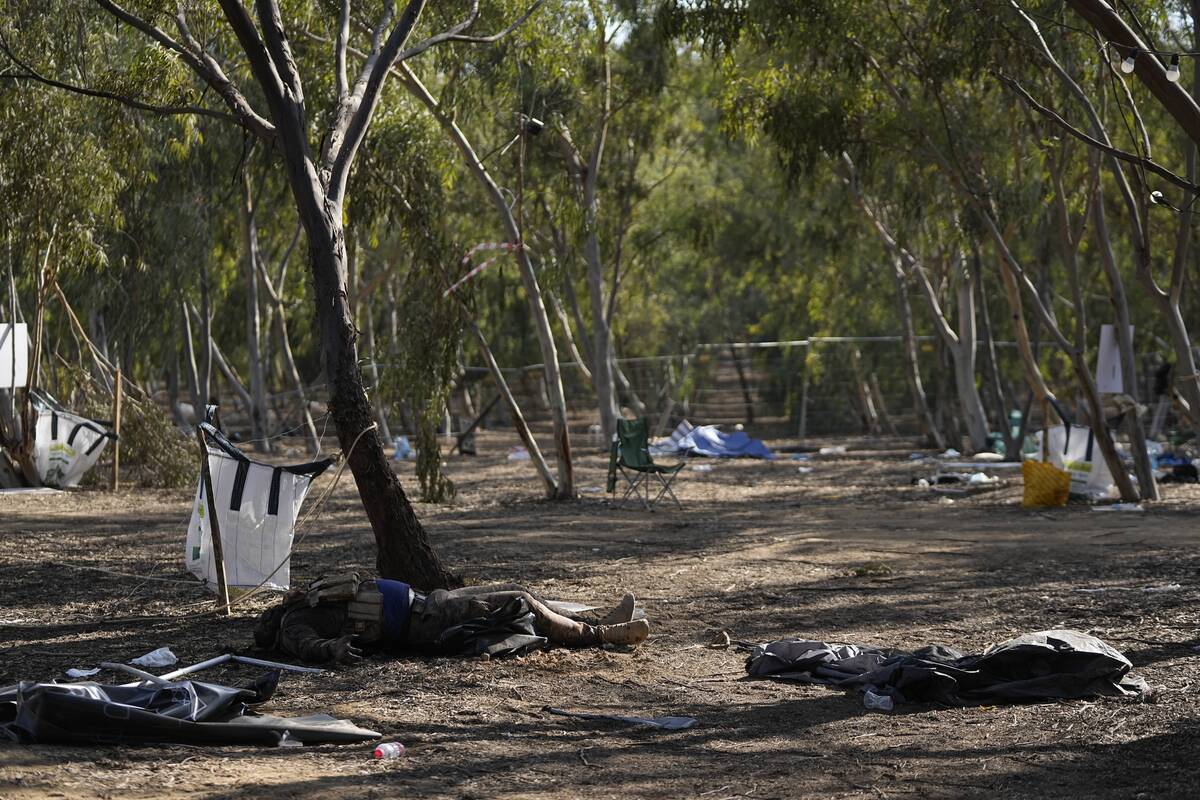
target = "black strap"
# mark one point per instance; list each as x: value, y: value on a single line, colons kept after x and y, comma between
x: 239, y: 485
x: 218, y: 438
x: 273, y: 498
x: 91, y: 426
x: 95, y: 445
x: 313, y: 468
x: 54, y: 425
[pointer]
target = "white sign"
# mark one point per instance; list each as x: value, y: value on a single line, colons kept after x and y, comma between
x: 1108, y: 361
x: 14, y: 355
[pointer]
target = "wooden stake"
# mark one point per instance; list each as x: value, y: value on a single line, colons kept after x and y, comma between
x: 118, y: 395
x: 214, y: 527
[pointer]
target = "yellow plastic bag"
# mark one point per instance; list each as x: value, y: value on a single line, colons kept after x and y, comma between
x: 1045, y: 485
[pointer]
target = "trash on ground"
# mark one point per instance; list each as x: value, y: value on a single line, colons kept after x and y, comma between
x: 187, y: 712
x: 702, y: 468
x: 591, y: 489
x: 77, y: 673
x: 1120, y: 507
x: 804, y: 470
x: 980, y: 478
x: 802, y: 457
x: 950, y: 453
x: 878, y: 702
x: 389, y: 750
x: 708, y: 440
x: 663, y: 723
x: 988, y: 457
x: 404, y: 450
x: 1167, y: 587
x: 162, y: 657
x: 518, y: 454
x: 977, y: 465
x: 833, y: 450
x: 917, y: 456
x: 1049, y: 665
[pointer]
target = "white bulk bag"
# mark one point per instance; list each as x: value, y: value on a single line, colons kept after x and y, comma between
x: 65, y: 445
x: 257, y: 507
x: 1074, y: 449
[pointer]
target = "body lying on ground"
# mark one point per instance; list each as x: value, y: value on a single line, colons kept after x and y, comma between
x: 336, y: 618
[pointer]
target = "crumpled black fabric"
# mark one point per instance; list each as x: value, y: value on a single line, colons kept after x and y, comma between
x: 1049, y: 665
x: 190, y: 712
x: 508, y: 630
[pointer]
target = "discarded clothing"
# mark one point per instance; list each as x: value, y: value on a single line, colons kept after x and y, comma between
x: 1050, y: 665
x: 189, y: 712
x: 707, y: 440
x: 508, y: 630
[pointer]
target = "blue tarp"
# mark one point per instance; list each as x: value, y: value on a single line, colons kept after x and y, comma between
x: 706, y: 440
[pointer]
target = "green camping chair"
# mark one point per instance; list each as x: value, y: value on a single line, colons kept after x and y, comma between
x: 630, y: 458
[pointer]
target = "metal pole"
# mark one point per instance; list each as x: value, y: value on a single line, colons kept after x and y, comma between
x: 804, y: 395
x: 214, y: 526
x: 116, y: 465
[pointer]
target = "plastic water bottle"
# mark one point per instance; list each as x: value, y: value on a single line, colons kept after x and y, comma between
x: 390, y: 750
x: 878, y: 702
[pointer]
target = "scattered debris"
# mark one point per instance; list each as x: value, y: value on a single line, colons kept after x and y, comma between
x: 389, y: 750
x: 77, y: 673
x: 835, y: 450
x: 662, y: 723
x: 162, y: 657
x: 702, y: 468
x: 1120, y: 507
x: 872, y: 569
x: 518, y: 454
x: 1168, y: 587
x: 1049, y: 665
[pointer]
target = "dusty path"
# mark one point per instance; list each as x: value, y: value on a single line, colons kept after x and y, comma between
x: 761, y: 551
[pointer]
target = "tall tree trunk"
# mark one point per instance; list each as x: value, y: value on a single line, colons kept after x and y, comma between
x: 1147, y: 486
x: 258, y: 416
x: 533, y: 292
x: 912, y: 364
x: 275, y: 294
x: 964, y: 363
x: 991, y: 366
x: 602, y: 366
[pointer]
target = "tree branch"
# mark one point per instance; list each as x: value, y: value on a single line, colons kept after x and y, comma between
x: 455, y: 34
x: 32, y: 75
x: 202, y: 65
x: 343, y: 37
x: 1132, y: 158
x: 280, y: 51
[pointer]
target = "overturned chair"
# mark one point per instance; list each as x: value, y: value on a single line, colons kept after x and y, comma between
x: 630, y: 458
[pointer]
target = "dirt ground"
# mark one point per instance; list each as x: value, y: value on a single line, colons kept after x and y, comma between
x: 761, y: 550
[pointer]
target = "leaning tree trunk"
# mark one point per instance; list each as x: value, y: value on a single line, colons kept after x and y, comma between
x: 533, y: 292
x: 404, y: 548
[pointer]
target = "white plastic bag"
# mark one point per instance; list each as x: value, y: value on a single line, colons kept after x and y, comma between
x: 257, y: 508
x: 1074, y: 449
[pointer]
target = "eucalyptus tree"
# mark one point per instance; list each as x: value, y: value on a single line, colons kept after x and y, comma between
x: 201, y: 47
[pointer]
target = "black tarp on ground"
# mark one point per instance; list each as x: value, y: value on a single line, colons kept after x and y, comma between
x: 1050, y: 665
x: 190, y: 712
